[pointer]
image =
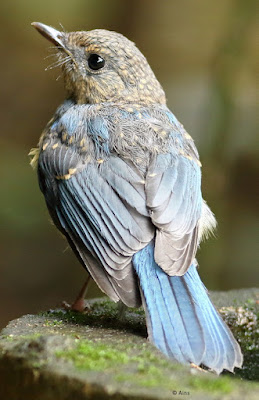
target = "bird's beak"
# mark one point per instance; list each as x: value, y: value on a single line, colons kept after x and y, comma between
x: 50, y: 33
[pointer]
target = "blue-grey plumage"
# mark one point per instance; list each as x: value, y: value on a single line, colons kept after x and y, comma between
x: 122, y: 181
x: 182, y: 321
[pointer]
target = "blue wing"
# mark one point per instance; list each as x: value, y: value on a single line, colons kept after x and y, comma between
x: 173, y: 193
x: 110, y: 210
x: 100, y: 208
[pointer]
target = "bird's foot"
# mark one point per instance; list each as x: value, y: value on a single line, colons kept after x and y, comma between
x: 122, y: 308
x: 79, y: 305
x: 197, y: 367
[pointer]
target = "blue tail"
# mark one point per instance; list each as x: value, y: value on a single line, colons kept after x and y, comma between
x: 181, y: 320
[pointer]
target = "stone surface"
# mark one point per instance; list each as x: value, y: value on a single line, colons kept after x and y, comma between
x: 62, y: 355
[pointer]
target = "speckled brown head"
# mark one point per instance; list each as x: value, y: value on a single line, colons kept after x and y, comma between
x: 103, y: 66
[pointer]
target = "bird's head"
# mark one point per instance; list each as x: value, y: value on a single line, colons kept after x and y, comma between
x: 103, y: 66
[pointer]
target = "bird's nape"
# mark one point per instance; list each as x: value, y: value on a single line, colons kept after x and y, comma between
x: 105, y: 67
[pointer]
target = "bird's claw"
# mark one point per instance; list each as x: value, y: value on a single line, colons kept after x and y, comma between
x: 79, y: 305
x: 197, y: 367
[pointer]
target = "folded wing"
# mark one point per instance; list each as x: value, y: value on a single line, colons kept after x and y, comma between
x: 173, y: 192
x: 101, y: 210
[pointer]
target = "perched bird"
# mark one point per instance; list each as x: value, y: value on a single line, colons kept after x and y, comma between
x: 122, y: 181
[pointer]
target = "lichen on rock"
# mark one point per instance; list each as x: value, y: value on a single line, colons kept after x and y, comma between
x: 101, y: 355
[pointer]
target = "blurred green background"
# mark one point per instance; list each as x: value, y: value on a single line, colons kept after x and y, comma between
x: 204, y: 54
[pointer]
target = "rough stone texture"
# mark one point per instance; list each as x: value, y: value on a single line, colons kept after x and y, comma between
x: 61, y: 355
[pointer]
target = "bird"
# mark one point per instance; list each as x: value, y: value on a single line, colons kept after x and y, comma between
x: 121, y: 179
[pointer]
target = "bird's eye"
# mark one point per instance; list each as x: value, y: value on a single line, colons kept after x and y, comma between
x: 95, y: 62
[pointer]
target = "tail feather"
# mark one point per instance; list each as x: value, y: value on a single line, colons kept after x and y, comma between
x: 189, y: 317
x: 217, y: 351
x: 178, y: 321
x: 225, y: 349
x: 162, y: 324
x: 182, y: 322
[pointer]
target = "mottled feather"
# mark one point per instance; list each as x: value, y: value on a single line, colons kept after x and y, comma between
x: 121, y: 179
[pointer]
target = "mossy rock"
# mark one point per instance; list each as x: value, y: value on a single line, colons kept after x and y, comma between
x: 102, y: 354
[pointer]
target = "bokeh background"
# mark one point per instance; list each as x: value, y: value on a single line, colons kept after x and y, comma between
x: 204, y: 54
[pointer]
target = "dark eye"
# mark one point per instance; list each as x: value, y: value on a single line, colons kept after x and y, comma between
x: 95, y: 62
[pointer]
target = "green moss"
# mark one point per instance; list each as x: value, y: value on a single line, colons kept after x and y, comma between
x: 13, y: 338
x: 146, y: 369
x: 243, y: 322
x: 120, y: 359
x: 35, y: 335
x: 38, y: 364
x: 88, y: 355
x: 153, y: 376
x: 149, y: 376
x: 9, y: 338
x: 212, y: 384
x: 103, y: 313
x: 139, y: 311
x: 53, y: 322
x: 137, y: 364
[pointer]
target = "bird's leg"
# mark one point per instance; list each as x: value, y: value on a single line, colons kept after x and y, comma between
x: 122, y: 308
x: 79, y: 304
x: 197, y: 367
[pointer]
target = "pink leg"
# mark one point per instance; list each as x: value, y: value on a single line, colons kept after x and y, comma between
x: 79, y: 304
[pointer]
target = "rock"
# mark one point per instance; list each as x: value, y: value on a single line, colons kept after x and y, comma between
x: 63, y: 355
x: 239, y: 297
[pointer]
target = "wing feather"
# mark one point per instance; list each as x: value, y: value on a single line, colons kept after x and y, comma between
x: 175, y: 210
x: 109, y: 211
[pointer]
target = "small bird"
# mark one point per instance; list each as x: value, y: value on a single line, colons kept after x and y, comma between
x: 122, y: 181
